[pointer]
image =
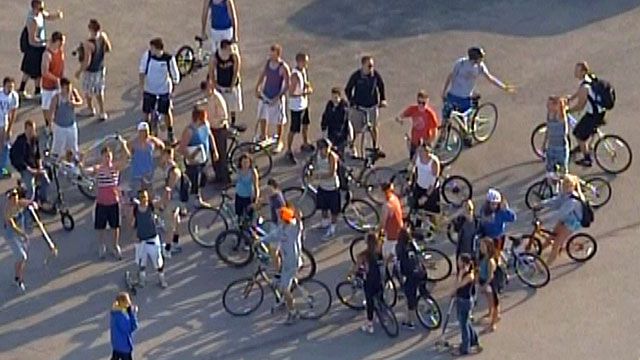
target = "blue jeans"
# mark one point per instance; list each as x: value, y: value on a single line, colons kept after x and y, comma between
x: 457, y: 103
x: 29, y: 181
x: 469, y: 335
x: 4, y: 156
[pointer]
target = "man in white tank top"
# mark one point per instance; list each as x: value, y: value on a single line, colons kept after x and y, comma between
x: 299, y: 91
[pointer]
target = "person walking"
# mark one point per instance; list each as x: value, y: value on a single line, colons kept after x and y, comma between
x: 224, y: 22
x: 52, y: 73
x: 9, y: 103
x: 65, y: 126
x: 335, y: 121
x: 299, y: 91
x: 123, y: 323
x: 93, y: 70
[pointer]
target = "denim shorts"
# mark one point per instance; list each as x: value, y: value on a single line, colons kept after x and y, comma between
x: 556, y: 156
x: 19, y: 248
x: 572, y: 223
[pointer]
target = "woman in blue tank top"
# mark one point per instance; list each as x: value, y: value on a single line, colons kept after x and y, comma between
x: 247, y: 187
x: 142, y: 162
x: 224, y: 21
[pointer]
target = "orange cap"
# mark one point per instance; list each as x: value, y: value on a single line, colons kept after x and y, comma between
x: 287, y: 214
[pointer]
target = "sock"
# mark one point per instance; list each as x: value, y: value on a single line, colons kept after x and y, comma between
x: 175, y: 239
x: 23, y: 85
x: 37, y: 92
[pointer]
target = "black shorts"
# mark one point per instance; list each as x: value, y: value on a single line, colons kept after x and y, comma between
x: 149, y: 103
x: 328, y: 200
x: 117, y: 355
x: 299, y: 118
x: 588, y: 126
x: 243, y: 207
x: 32, y: 61
x: 432, y: 204
x: 107, y: 214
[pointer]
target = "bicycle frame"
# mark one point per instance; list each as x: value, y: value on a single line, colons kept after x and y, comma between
x: 461, y: 119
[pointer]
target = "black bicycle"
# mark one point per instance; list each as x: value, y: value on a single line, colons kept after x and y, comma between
x: 596, y: 190
x: 260, y: 152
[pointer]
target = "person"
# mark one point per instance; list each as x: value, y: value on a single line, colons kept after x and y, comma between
x: 426, y: 190
x: 459, y: 86
x: 494, y: 217
x: 467, y: 227
x: 224, y: 22
x: 27, y: 160
x: 286, y: 240
x: 414, y: 274
x: 365, y: 92
x: 149, y: 244
x: 247, y: 188
x: 584, y: 100
x: 568, y: 214
x: 107, y: 211
x: 299, y: 91
x: 325, y: 171
x: 9, y: 103
x: 276, y: 199
x: 123, y: 323
x: 424, y: 122
x: 224, y: 75
x: 15, y: 234
x: 33, y: 44
x: 272, y: 84
x: 142, y: 148
x: 65, y: 126
x: 170, y: 201
x: 335, y: 122
x: 463, y: 293
x: 372, y: 262
x: 195, y: 144
x: 219, y: 122
x: 93, y: 69
x: 556, y: 138
x: 158, y: 73
x: 391, y: 221
x: 487, y: 266
x: 52, y: 73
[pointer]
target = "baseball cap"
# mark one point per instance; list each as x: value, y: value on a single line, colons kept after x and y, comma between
x: 143, y: 126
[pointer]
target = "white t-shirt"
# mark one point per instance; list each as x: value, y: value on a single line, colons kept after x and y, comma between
x: 298, y: 101
x: 465, y: 72
x: 7, y: 103
x: 161, y: 73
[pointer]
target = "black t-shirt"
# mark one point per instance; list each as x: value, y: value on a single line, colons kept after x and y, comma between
x: 409, y: 258
x: 375, y: 271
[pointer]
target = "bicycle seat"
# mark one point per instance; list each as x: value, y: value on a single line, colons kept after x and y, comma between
x: 374, y: 154
x: 199, y: 39
x: 239, y: 128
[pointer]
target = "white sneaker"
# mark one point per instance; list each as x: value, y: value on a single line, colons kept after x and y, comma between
x: 166, y: 254
x: 20, y: 286
x: 102, y: 250
x: 279, y: 147
x: 162, y: 281
x: 142, y: 278
x: 323, y: 224
x: 331, y: 231
x: 117, y: 252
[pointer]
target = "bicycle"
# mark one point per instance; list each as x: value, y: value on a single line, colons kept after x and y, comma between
x: 57, y: 205
x: 206, y: 223
x: 597, y: 191
x: 479, y: 122
x: 368, y: 129
x: 528, y: 267
x: 190, y: 60
x: 260, y: 152
x: 607, y: 147
x: 244, y: 296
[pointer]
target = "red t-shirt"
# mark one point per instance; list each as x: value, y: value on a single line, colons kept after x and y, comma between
x: 424, y: 123
x: 394, y: 222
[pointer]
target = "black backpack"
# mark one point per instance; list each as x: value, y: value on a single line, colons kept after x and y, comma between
x: 166, y: 58
x: 587, y: 212
x: 24, y: 40
x: 604, y: 92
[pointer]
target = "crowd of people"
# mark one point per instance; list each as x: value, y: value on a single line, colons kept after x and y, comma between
x: 283, y: 95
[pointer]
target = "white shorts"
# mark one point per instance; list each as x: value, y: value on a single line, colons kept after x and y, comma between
x: 389, y: 248
x: 64, y: 139
x: 46, y: 97
x: 218, y: 35
x: 153, y: 251
x: 93, y: 83
x: 233, y: 97
x: 274, y: 113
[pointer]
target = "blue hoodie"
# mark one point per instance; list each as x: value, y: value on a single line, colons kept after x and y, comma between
x: 493, y: 225
x: 123, y: 324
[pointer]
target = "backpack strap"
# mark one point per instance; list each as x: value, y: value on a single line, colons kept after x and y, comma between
x: 146, y: 70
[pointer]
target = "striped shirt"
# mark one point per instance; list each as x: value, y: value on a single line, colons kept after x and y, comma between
x: 107, y: 179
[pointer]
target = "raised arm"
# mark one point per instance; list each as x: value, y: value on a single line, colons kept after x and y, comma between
x: 494, y: 80
x: 76, y: 99
x: 55, y: 15
x: 108, y: 47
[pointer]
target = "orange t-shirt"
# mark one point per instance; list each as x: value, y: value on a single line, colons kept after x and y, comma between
x: 424, y: 123
x: 56, y: 67
x: 394, y: 222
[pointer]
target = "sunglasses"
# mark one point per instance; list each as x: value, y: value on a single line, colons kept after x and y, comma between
x: 422, y: 102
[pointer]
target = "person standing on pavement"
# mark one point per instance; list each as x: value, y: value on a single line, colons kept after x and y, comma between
x: 142, y: 149
x: 464, y: 293
x: 391, y: 222
x: 171, y: 201
x: 27, y: 160
x: 219, y: 122
x: 467, y: 227
x: 224, y: 22
x: 124, y: 322
x: 335, y: 121
x: 14, y: 231
x: 247, y: 188
x: 424, y: 123
x: 149, y: 245
x: 372, y: 262
x: 366, y: 95
x: 158, y: 77
x: 325, y: 171
x: 224, y: 75
x: 52, y: 72
x: 271, y: 87
x: 93, y: 69
x: 65, y: 127
x: 299, y: 91
x: 9, y: 103
x: 33, y: 42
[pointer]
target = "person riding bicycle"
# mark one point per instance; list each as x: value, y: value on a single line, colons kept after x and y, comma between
x: 286, y: 239
x: 495, y: 214
x: 414, y: 273
x: 149, y: 244
x: 142, y: 149
x: 424, y: 122
x: 391, y: 222
x: 556, y: 140
x: 335, y: 121
x: 425, y: 172
x: 328, y: 199
x: 371, y: 262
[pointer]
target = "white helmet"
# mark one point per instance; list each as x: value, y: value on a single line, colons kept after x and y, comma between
x: 494, y: 196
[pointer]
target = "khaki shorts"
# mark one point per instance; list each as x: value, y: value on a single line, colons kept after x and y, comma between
x: 233, y: 97
x: 273, y: 113
x: 358, y: 118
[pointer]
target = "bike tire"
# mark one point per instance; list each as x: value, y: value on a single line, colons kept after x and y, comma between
x: 360, y: 215
x: 390, y: 292
x: 449, y: 149
x: 573, y: 246
x: 185, y: 59
x: 356, y: 247
x: 374, y: 180
x: 214, y: 223
x: 600, y: 153
x: 387, y: 318
x: 310, y: 308
x: 452, y: 234
x: 538, y: 191
x: 435, y: 258
x: 260, y: 156
x: 234, y: 241
x: 526, y: 259
x: 597, y: 191
x: 537, y: 140
x: 308, y: 268
x: 351, y: 294
x: 531, y: 245
x: 428, y: 312
x: 303, y: 200
x: 491, y: 110
x: 68, y: 223
x: 88, y: 191
x: 454, y: 185
x: 246, y: 287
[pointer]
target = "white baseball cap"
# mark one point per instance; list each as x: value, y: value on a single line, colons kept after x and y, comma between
x: 143, y: 126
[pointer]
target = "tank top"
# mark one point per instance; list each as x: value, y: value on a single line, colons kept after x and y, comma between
x: 484, y: 269
x: 199, y: 136
x: 145, y: 224
x: 322, y: 166
x: 107, y: 180
x: 220, y: 18
x: 175, y: 191
x: 244, y: 184
x: 56, y: 67
x: 465, y: 292
x: 298, y: 102
x: 375, y: 269
x: 40, y: 29
x: 394, y: 222
x: 97, y: 57
x: 65, y: 115
x: 142, y: 159
x: 224, y: 71
x: 557, y: 132
x: 425, y: 178
x: 273, y: 82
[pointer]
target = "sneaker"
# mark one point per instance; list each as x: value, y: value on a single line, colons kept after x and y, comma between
x: 290, y: 158
x: 20, y: 286
x: 331, y: 231
x: 409, y: 325
x: 162, y: 281
x: 324, y: 223
x: 586, y: 162
x: 103, y: 117
x: 86, y: 112
x: 278, y: 148
x: 102, y: 250
x: 307, y: 148
x: 117, y: 252
x: 292, y: 317
x: 367, y: 328
x: 24, y: 95
x: 142, y: 278
x: 166, y: 253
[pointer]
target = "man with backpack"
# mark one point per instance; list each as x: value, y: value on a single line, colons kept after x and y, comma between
x: 175, y: 193
x: 594, y: 96
x: 158, y: 76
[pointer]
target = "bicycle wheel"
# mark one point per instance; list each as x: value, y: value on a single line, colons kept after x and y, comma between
x: 613, y: 154
x: 88, y: 188
x: 303, y: 200
x: 428, y: 312
x: 437, y: 263
x: 357, y: 246
x: 538, y: 191
x: 242, y: 297
x: 597, y: 191
x: 185, y: 59
x: 456, y: 190
x: 581, y: 247
x: 374, y: 180
x: 360, y: 215
x: 452, y: 234
x: 351, y: 294
x: 261, y: 157
x: 205, y: 224
x: 532, y: 270
x: 537, y: 140
x: 312, y: 299
x: 449, y: 145
x: 386, y: 317
x: 390, y: 292
x: 67, y: 221
x: 484, y: 122
x: 308, y: 268
x: 525, y: 243
x: 234, y: 248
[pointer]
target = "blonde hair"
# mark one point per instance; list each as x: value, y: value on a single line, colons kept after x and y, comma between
x: 575, y: 184
x: 123, y: 299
